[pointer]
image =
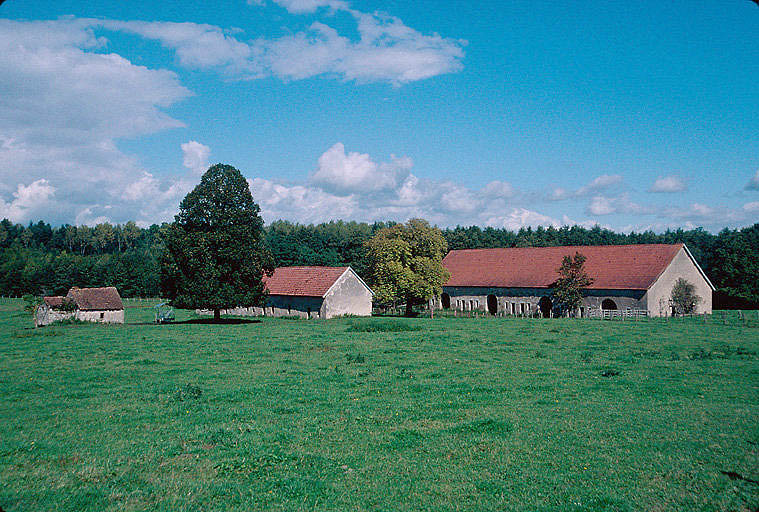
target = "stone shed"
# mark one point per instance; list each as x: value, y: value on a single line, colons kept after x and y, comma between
x: 517, y: 281
x: 102, y: 305
x: 311, y: 292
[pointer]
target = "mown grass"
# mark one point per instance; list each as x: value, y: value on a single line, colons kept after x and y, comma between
x: 360, y: 414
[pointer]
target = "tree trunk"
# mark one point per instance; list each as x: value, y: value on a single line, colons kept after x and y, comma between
x: 216, y: 315
x: 409, y: 310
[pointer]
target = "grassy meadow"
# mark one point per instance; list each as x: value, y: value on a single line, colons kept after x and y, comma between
x: 385, y: 414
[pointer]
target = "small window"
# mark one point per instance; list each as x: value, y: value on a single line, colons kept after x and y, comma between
x: 102, y: 316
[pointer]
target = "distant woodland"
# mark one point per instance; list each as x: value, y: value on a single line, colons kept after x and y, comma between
x: 41, y: 259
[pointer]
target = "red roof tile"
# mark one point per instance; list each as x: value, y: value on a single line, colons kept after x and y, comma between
x: 96, y: 299
x: 303, y: 281
x: 613, y: 267
x: 54, y: 301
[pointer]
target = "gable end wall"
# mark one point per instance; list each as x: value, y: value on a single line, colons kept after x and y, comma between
x: 657, y: 297
x: 348, y: 296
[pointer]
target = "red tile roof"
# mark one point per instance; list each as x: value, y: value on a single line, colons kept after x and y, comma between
x: 96, y: 299
x: 303, y: 281
x: 613, y: 267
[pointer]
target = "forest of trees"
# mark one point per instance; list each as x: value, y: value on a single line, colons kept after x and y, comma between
x: 41, y: 259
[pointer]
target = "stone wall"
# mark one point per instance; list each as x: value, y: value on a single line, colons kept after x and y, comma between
x: 105, y: 317
x: 46, y: 315
x: 526, y: 301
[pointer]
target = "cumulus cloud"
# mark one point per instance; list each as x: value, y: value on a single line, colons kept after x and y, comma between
x: 668, y: 184
x: 753, y: 183
x: 195, y: 156
x: 346, y: 173
x: 521, y: 217
x: 352, y: 185
x: 65, y: 102
x: 27, y: 201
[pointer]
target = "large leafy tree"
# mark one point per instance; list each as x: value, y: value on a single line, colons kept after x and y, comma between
x: 406, y: 263
x: 215, y: 254
x: 567, y: 290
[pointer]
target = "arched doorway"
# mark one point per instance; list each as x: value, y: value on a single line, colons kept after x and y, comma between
x: 445, y: 299
x: 608, y: 304
x: 492, y: 305
x: 545, y: 306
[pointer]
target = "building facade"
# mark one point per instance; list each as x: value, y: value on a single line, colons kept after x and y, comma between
x: 102, y: 305
x: 517, y: 281
x: 311, y: 292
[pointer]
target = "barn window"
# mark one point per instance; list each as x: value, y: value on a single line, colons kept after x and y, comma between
x: 102, y: 315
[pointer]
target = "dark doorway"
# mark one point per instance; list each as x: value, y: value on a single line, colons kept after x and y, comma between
x: 608, y: 304
x: 492, y: 305
x: 545, y: 306
x: 446, y: 300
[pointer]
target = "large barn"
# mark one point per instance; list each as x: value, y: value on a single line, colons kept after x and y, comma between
x: 102, y: 305
x: 517, y: 281
x: 312, y: 292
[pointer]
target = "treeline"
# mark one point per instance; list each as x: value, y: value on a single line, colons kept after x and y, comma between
x: 42, y: 259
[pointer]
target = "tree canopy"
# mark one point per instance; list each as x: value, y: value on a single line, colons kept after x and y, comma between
x: 215, y: 252
x: 567, y: 290
x: 405, y: 263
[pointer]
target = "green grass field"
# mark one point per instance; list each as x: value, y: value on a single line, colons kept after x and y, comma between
x: 379, y: 414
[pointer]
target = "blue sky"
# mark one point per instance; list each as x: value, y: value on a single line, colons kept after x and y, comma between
x: 632, y: 115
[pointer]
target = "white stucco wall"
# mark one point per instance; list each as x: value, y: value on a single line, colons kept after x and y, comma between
x: 682, y: 266
x: 348, y: 296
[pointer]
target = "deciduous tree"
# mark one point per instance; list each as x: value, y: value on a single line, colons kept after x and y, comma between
x: 567, y: 290
x: 406, y: 263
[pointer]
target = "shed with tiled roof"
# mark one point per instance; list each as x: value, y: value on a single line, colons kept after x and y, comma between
x: 518, y: 281
x: 312, y: 292
x: 102, y: 305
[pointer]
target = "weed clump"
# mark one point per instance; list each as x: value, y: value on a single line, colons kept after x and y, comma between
x: 355, y: 358
x: 611, y: 372
x: 384, y: 326
x: 187, y: 392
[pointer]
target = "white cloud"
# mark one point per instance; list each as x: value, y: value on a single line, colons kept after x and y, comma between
x: 308, y: 6
x: 346, y: 173
x: 603, y: 205
x: 751, y: 207
x: 64, y: 105
x: 27, y: 201
x: 386, y: 49
x: 195, y: 156
x: 753, y: 183
x: 598, y: 184
x: 520, y: 217
x: 668, y: 184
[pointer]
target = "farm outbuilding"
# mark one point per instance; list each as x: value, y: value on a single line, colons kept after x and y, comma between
x: 102, y: 305
x: 626, y: 278
x: 311, y: 292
